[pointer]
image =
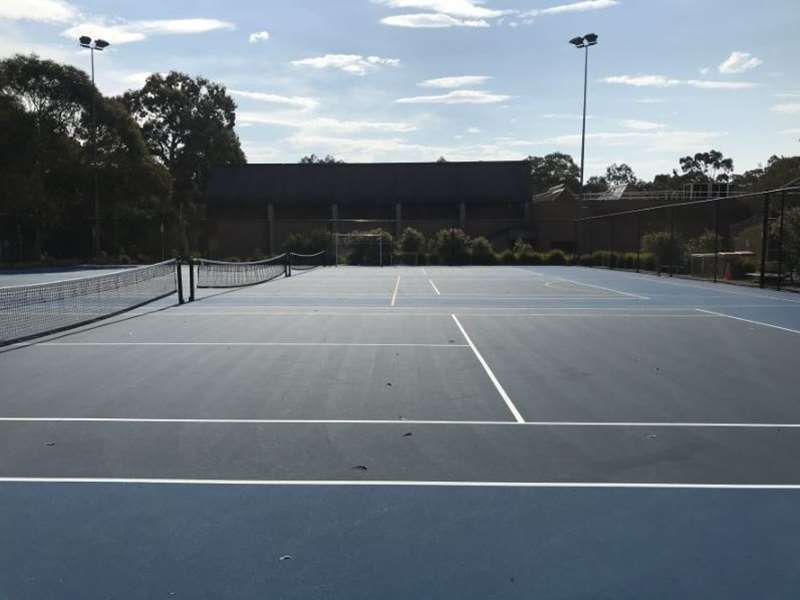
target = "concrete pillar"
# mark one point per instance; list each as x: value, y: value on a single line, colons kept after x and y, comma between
x: 398, y: 223
x: 462, y: 216
x: 271, y: 227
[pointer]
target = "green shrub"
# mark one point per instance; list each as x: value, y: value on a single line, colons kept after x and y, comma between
x: 411, y: 241
x: 555, y: 257
x: 367, y: 250
x: 307, y: 242
x: 705, y: 242
x: 658, y: 244
x: 451, y: 246
x: 647, y: 261
x: 586, y: 260
x: 506, y: 257
x: 482, y: 251
x: 629, y: 260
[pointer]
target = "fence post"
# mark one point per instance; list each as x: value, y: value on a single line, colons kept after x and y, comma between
x: 764, y: 242
x: 288, y: 265
x: 780, y: 241
x: 671, y: 241
x: 638, y: 241
x: 716, y: 239
x: 191, y: 279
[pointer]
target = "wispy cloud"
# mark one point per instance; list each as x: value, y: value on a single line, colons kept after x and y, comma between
x: 661, y: 81
x: 473, y: 130
x: 47, y: 11
x: 585, y: 6
x: 739, y: 62
x: 467, y: 9
x: 565, y: 116
x: 354, y: 64
x: 298, y: 102
x: 788, y: 95
x: 125, y: 32
x: 327, y: 124
x: 431, y: 21
x: 790, y: 108
x: 655, y: 141
x: 258, y: 36
x: 450, y: 83
x: 638, y: 125
x: 795, y: 131
x: 457, y: 97
x: 650, y: 101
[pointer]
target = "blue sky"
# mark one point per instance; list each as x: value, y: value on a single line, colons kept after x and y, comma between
x: 412, y: 80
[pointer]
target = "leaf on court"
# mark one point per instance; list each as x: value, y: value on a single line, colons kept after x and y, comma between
x: 408, y: 434
x: 50, y: 444
x: 286, y: 557
x: 359, y: 468
x: 388, y: 384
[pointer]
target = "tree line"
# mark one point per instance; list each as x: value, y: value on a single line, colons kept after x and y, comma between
x: 153, y: 154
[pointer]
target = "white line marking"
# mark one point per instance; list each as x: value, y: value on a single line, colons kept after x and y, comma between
x: 708, y: 287
x: 435, y: 289
x: 424, y: 272
x: 489, y: 372
x: 396, y: 483
x: 394, y: 294
x: 600, y: 287
x: 403, y: 422
x: 312, y: 344
x: 717, y: 314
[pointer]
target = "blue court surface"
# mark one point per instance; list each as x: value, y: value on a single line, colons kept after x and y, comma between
x: 399, y: 432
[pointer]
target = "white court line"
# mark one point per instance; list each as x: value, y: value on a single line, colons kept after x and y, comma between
x: 443, y: 312
x: 717, y: 314
x: 708, y: 287
x: 489, y: 372
x: 400, y: 483
x: 394, y: 294
x: 256, y: 344
x: 600, y: 287
x: 424, y: 272
x: 404, y: 422
x: 435, y: 289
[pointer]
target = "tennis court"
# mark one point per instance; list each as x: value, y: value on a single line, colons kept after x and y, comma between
x: 466, y: 432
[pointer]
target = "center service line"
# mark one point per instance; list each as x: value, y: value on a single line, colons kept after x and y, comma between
x: 489, y: 372
x: 435, y: 289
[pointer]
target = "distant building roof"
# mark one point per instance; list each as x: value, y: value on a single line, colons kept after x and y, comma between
x: 370, y: 183
x: 553, y: 194
x: 615, y: 192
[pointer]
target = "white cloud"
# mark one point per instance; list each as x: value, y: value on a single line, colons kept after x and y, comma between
x: 298, y: 102
x: 650, y: 101
x: 705, y: 70
x: 47, y: 11
x: 450, y: 83
x: 473, y: 130
x: 656, y: 141
x: 125, y: 32
x: 789, y: 131
x: 638, y: 125
x: 788, y: 95
x: 565, y: 116
x: 467, y: 9
x: 457, y: 97
x: 432, y: 21
x: 791, y: 108
x: 739, y: 62
x: 661, y: 81
x: 584, y: 6
x: 355, y: 64
x: 259, y: 36
x: 322, y: 123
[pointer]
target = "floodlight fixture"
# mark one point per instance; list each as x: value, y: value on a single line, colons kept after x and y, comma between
x: 100, y: 44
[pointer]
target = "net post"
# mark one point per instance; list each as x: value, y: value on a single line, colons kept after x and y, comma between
x: 762, y: 280
x: 780, y: 241
x: 191, y: 279
x: 288, y: 266
x: 380, y: 249
x: 179, y: 279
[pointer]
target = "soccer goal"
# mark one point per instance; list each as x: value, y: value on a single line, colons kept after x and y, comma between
x: 362, y: 249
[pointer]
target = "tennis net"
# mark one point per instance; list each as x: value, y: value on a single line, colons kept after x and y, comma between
x: 306, y: 262
x: 28, y: 311
x: 221, y: 274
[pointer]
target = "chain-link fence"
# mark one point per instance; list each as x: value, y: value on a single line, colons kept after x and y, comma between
x: 749, y: 238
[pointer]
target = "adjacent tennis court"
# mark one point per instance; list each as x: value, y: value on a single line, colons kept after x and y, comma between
x: 315, y: 434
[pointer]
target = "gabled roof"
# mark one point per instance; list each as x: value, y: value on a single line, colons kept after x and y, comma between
x: 256, y: 185
x: 553, y: 194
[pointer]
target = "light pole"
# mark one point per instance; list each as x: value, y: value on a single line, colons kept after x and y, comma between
x: 86, y: 42
x: 590, y: 39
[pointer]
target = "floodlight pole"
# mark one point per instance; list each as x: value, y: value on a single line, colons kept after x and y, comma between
x: 92, y: 45
x: 583, y: 43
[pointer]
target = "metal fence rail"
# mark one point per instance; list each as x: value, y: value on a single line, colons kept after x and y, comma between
x: 747, y: 237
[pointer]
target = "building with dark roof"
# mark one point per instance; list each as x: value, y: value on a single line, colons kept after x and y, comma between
x: 252, y: 209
